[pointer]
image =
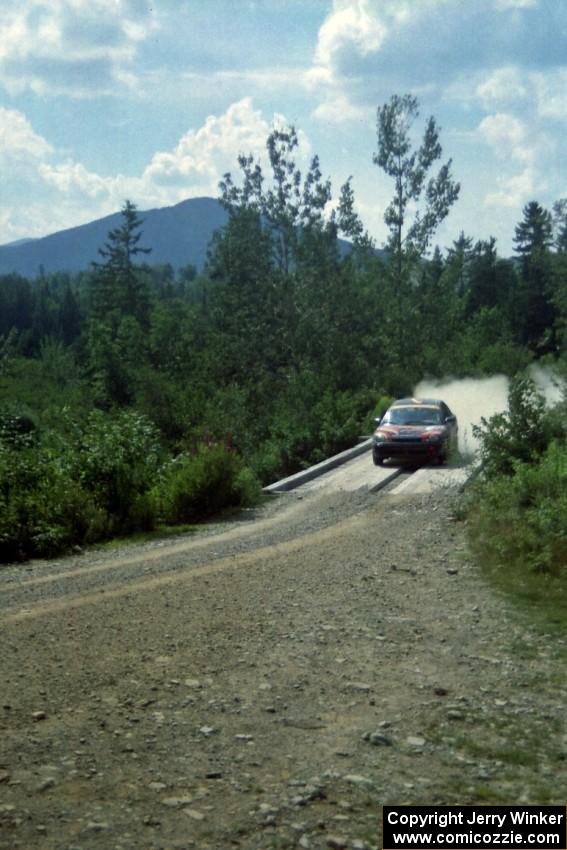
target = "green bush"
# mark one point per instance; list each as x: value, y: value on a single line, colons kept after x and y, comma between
x: 309, y: 425
x: 116, y: 459
x: 268, y: 461
x: 86, y: 483
x: 380, y: 409
x: 77, y: 485
x: 194, y: 487
x: 340, y: 418
x: 520, y: 434
x: 517, y: 512
x: 247, y: 488
x: 519, y: 522
x: 42, y: 510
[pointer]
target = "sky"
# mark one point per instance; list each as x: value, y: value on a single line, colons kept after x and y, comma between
x: 153, y: 101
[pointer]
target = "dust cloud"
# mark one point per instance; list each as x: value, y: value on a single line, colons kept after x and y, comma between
x: 469, y: 399
x: 547, y: 383
x: 473, y: 398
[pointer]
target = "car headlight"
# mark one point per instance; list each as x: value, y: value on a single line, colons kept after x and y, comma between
x: 380, y: 435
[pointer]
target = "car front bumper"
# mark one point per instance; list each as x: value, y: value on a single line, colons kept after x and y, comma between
x: 410, y: 449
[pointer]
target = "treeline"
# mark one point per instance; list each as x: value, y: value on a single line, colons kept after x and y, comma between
x: 277, y: 354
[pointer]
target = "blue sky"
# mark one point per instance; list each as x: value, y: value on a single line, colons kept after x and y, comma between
x: 103, y: 100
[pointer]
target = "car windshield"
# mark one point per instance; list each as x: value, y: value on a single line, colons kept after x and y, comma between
x: 413, y: 416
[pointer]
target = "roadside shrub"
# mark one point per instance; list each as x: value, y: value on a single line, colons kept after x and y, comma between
x: 517, y: 511
x: 247, y: 488
x: 42, y: 510
x: 308, y: 426
x: 88, y: 482
x: 268, y: 461
x: 519, y: 522
x: 77, y: 485
x: 341, y: 417
x: 520, y: 434
x: 194, y: 487
x: 116, y: 460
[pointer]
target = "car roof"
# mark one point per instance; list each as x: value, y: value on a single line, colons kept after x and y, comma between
x: 417, y: 402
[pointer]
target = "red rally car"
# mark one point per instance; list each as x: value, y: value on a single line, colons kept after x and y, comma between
x: 415, y: 429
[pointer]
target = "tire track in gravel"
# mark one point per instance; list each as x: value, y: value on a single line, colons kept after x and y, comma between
x: 160, y: 552
x: 45, y: 586
x: 80, y: 594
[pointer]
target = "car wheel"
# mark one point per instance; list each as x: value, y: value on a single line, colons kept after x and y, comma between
x: 377, y: 458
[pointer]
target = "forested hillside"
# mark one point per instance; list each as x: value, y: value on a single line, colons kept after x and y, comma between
x: 131, y: 394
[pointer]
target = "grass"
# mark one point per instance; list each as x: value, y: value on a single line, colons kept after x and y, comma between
x: 521, y: 751
x: 508, y: 544
x: 539, y: 599
x: 164, y: 532
x: 161, y: 532
x: 523, y: 754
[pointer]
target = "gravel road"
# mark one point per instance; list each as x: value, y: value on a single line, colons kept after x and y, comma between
x: 270, y: 682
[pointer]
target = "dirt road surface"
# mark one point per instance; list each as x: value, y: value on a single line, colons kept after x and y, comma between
x: 271, y: 682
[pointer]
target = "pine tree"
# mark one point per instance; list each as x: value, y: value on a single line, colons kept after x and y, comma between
x: 119, y: 285
x: 69, y: 323
x: 560, y: 225
x: 535, y: 304
x: 459, y: 261
x: 534, y: 234
x: 116, y: 334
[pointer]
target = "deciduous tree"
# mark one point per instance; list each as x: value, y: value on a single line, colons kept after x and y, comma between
x: 409, y: 168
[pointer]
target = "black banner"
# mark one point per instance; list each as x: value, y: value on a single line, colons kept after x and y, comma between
x: 478, y: 827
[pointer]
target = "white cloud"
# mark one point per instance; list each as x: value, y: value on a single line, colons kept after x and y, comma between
x: 504, y: 86
x: 512, y: 192
x: 551, y: 94
x: 544, y: 92
x: 512, y: 143
x: 351, y: 25
x: 193, y: 167
x: 72, y: 176
x: 70, y: 47
x: 338, y: 109
x: 203, y: 155
x: 362, y: 27
x: 351, y: 31
x: 507, y: 135
x: 18, y: 141
x: 368, y: 49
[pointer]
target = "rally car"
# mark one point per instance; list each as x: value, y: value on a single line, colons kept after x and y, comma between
x: 414, y: 429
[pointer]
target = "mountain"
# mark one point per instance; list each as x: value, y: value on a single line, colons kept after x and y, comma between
x: 17, y: 242
x: 178, y: 235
